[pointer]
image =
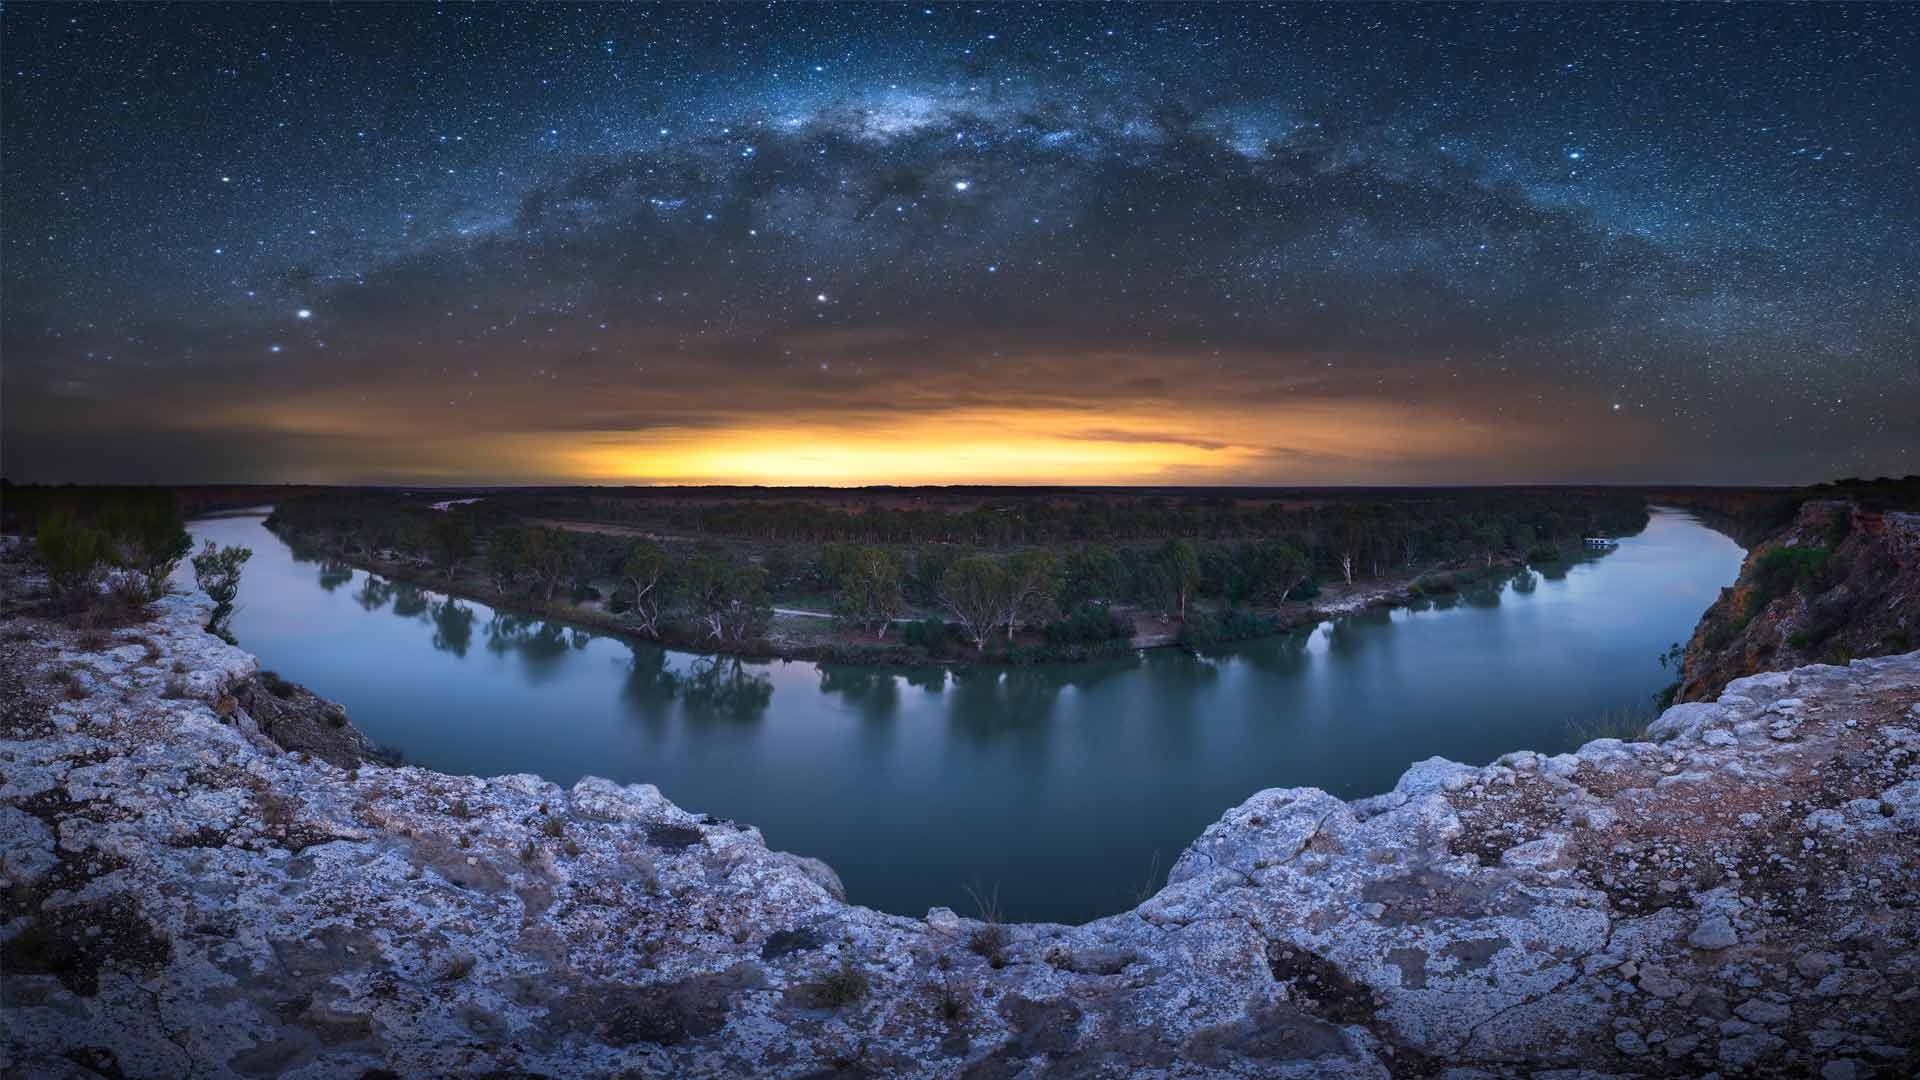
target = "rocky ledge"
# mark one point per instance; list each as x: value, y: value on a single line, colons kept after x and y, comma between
x: 182, y: 897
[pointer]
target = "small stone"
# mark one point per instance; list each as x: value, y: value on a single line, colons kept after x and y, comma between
x: 1714, y: 932
x: 1843, y: 1069
x: 1630, y: 1043
x: 1815, y: 965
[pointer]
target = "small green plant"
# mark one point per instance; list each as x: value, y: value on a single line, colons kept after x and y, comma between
x: 553, y: 827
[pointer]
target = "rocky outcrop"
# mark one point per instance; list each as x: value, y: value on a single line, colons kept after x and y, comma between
x: 183, y: 898
x: 1837, y: 582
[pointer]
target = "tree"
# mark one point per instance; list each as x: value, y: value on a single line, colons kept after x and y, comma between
x: 870, y: 594
x: 1348, y: 538
x: 1487, y: 538
x: 545, y: 554
x: 70, y: 550
x: 1093, y: 575
x: 728, y: 598
x: 1275, y: 568
x: 977, y: 590
x: 506, y: 555
x: 1180, y: 567
x: 217, y: 570
x: 1030, y: 596
x: 450, y: 540
x: 149, y: 536
x: 930, y: 565
x: 645, y: 568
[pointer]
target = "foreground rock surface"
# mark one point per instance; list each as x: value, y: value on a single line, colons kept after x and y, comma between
x: 182, y: 897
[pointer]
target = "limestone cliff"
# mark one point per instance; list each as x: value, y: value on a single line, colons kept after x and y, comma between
x: 183, y: 898
x: 1835, y: 583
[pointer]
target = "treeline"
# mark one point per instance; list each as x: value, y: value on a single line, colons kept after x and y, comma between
x: 1018, y: 521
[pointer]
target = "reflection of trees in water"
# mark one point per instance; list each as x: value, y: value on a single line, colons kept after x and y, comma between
x: 1482, y: 594
x: 1091, y: 673
x: 712, y: 687
x: 989, y: 702
x: 539, y: 644
x: 722, y: 688
x: 334, y: 573
x: 1524, y: 582
x: 374, y: 593
x: 929, y: 677
x: 303, y: 552
x: 1557, y: 569
x: 409, y: 601
x: 452, y: 626
x: 872, y: 691
x: 649, y: 688
x: 1283, y: 654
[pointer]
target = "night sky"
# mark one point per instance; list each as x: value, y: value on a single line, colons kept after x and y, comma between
x: 1228, y: 244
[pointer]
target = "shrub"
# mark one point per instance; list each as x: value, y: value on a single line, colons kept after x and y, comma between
x: 1089, y: 625
x: 1232, y: 624
x: 1540, y: 553
x: 933, y: 635
x: 842, y: 986
x: 217, y: 570
x: 276, y: 685
x: 71, y: 551
x: 1784, y: 570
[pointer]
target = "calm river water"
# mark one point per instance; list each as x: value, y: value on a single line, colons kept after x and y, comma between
x: 1069, y: 788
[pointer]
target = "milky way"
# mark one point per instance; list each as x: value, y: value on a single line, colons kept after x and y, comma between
x: 1188, y: 244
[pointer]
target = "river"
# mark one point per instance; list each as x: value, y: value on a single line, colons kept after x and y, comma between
x: 1066, y: 789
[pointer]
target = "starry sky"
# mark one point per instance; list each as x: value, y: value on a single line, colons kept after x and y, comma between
x: 1232, y: 244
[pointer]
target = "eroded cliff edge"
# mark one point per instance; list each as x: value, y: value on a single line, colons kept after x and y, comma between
x: 183, y: 898
x: 1837, y: 581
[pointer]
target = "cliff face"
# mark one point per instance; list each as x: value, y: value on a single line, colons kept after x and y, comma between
x: 1836, y: 583
x: 183, y: 898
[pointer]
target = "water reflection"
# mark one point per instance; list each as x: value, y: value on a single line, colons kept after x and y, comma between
x: 452, y: 626
x: 874, y: 693
x: 374, y: 593
x: 1058, y: 783
x: 724, y: 688
x: 334, y: 573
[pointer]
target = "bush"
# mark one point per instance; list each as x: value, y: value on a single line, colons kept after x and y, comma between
x: 1232, y: 624
x: 276, y: 685
x: 1784, y: 570
x: 71, y: 551
x: 1306, y: 590
x: 841, y: 986
x: 933, y: 635
x: 1089, y: 625
x: 217, y: 570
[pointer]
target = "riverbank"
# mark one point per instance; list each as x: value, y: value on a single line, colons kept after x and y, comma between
x: 812, y: 635
x: 183, y: 898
